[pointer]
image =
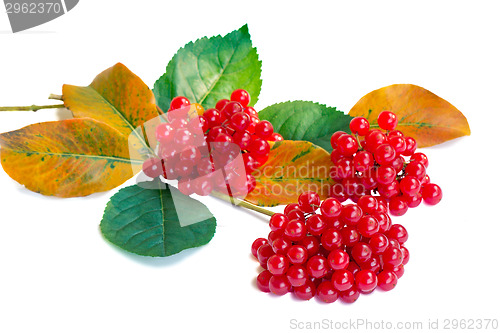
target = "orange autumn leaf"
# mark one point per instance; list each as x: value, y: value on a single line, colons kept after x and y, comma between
x: 116, y: 97
x: 421, y: 114
x: 69, y: 158
x: 292, y: 168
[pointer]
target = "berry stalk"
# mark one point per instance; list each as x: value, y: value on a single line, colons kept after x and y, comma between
x: 32, y: 108
x: 242, y: 203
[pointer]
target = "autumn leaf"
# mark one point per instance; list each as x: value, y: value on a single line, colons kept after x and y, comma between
x: 116, y: 97
x: 422, y: 115
x: 292, y: 168
x: 69, y: 158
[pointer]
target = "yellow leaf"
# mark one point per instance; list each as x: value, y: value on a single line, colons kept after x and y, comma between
x: 426, y: 117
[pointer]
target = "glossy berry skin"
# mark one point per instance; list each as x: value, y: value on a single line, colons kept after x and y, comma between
x: 152, y: 167
x: 179, y: 102
x: 350, y: 236
x: 432, y: 194
x: 385, y: 175
x: 306, y: 291
x: 281, y: 245
x: 331, y: 239
x: 421, y: 158
x: 278, y: 221
x: 399, y: 271
x: 387, y: 120
x: 295, y: 230
x: 409, y: 186
x: 347, y: 145
x: 398, y: 232
x: 392, y: 256
x: 257, y: 244
x: 264, y: 129
x: 164, y: 133
x: 326, y: 292
x: 384, y: 154
x: 221, y: 104
x: 416, y: 169
x: 367, y: 226
x: 413, y: 201
x: 338, y: 259
x: 331, y: 209
x: 264, y: 253
x: 297, y: 275
x: 406, y: 255
x: 366, y: 280
x: 374, y: 139
x: 360, y: 126
x: 390, y: 190
x: 398, y: 143
x: 368, y: 204
x: 335, y: 137
x: 361, y: 252
x: 342, y: 279
x: 373, y: 264
x: 316, y: 224
x: 387, y: 280
x: 279, y: 285
x: 363, y: 161
x: 275, y: 137
x: 317, y: 266
x: 411, y: 146
x: 350, y: 295
x: 378, y: 243
x: 241, y: 96
x: 398, y: 206
x: 351, y: 214
x: 297, y: 254
x: 309, y: 201
x: 296, y: 214
x: 311, y: 243
x: 277, y: 264
x: 263, y: 280
x: 259, y: 148
x: 240, y: 121
x: 290, y: 207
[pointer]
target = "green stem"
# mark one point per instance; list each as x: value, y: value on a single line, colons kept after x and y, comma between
x: 241, y: 203
x: 33, y: 108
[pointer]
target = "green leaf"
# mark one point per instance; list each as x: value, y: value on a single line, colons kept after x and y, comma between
x: 154, y: 219
x: 210, y: 69
x: 306, y: 121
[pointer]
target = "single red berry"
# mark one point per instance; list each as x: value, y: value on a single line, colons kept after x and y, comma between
x: 264, y: 129
x: 390, y: 190
x: 361, y: 252
x: 275, y: 137
x: 353, y: 267
x: 347, y: 145
x: 335, y: 137
x: 281, y: 245
x: 278, y: 221
x: 420, y: 157
x: 263, y: 280
x: 398, y: 164
x: 277, y: 264
x: 413, y: 201
x: 350, y: 295
x: 306, y: 291
x: 384, y: 154
x: 378, y: 243
x: 317, y: 266
x: 297, y: 275
x: 374, y: 139
x: 251, y: 111
x: 415, y: 169
x: 296, y: 214
x: 385, y: 175
x: 392, y: 256
x: 295, y: 230
x: 221, y: 104
x: 152, y: 167
x: 387, y: 280
x: 399, y: 271
x: 279, y: 285
x: 309, y: 201
x: 366, y: 280
x: 411, y: 146
x: 342, y: 279
x: 387, y: 120
x: 178, y: 102
x: 351, y: 214
x: 241, y: 96
x: 338, y: 259
x: 257, y: 244
x: 344, y: 168
x: 398, y: 206
x: 230, y: 109
x: 394, y: 243
x: 398, y: 232
x: 360, y: 126
x: 240, y: 121
x: 297, y: 254
x: 406, y: 255
x: 213, y: 117
x: 290, y: 207
x: 395, y: 133
x: 316, y: 224
x: 363, y: 161
x: 398, y: 143
x: 426, y: 180
x: 373, y: 264
x: 368, y: 226
x: 350, y: 235
x: 259, y: 148
x: 331, y: 239
x: 368, y: 204
x: 432, y: 194
x: 264, y: 253
x: 409, y: 185
x: 311, y: 243
x: 326, y: 292
x: 164, y: 133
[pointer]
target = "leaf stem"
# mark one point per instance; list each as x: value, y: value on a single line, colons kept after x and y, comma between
x: 56, y: 97
x: 33, y: 108
x: 242, y: 203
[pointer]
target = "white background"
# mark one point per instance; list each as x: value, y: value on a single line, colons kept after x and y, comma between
x: 57, y: 274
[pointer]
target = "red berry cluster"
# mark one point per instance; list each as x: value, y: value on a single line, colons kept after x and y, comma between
x: 340, y: 252
x: 194, y: 145
x: 373, y: 161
